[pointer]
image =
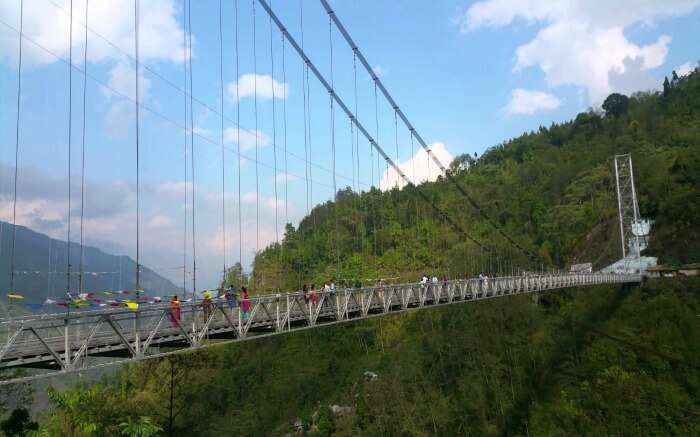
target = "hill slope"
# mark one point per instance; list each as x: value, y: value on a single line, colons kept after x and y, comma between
x: 579, y: 362
x: 552, y: 190
x: 37, y: 254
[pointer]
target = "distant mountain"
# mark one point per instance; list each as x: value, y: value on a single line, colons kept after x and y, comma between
x: 41, y: 265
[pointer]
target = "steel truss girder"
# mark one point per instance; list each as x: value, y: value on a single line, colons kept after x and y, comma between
x: 40, y: 340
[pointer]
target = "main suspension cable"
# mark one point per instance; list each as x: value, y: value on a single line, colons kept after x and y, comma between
x: 410, y: 127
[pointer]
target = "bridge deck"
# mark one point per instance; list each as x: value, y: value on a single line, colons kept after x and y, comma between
x: 62, y: 343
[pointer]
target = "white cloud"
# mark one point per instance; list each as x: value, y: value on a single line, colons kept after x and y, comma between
x: 247, y: 138
x: 686, y: 69
x: 419, y: 168
x: 122, y: 81
x: 110, y: 217
x: 378, y: 70
x: 283, y: 177
x: 580, y: 42
x: 264, y: 84
x: 633, y: 79
x: 121, y: 113
x: 48, y: 23
x: 528, y: 102
x: 119, y: 118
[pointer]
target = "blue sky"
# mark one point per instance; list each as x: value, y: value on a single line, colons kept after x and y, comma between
x: 467, y: 74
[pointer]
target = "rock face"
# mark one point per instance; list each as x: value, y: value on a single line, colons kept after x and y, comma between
x: 342, y: 410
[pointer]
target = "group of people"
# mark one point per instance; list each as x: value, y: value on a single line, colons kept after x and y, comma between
x: 242, y: 301
x: 425, y: 280
x: 233, y: 301
x: 310, y: 294
x: 483, y: 280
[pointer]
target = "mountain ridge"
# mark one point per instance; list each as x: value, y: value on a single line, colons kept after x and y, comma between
x: 41, y: 264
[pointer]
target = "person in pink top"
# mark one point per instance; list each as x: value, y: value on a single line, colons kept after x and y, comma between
x: 245, y: 303
x: 174, y: 312
x: 313, y: 298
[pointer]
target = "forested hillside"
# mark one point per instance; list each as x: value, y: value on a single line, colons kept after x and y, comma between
x: 574, y: 362
x: 552, y: 190
x: 591, y: 361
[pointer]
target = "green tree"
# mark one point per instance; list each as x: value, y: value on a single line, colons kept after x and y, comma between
x: 76, y: 418
x: 18, y: 423
x: 142, y: 427
x: 616, y: 104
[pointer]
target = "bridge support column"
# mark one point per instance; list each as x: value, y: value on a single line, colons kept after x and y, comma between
x: 66, y: 344
x: 289, y: 315
x: 278, y: 325
x: 137, y: 337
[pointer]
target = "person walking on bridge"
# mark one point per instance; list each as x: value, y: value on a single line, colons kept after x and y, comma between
x: 312, y: 295
x: 174, y: 312
x: 380, y: 290
x: 245, y: 303
x: 207, y: 305
x: 231, y: 299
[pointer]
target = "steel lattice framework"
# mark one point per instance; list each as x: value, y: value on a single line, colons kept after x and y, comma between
x: 61, y: 343
x: 627, y: 205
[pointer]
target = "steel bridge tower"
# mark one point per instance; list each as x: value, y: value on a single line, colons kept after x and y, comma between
x: 633, y: 230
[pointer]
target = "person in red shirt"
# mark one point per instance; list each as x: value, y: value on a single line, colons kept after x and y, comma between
x: 174, y: 311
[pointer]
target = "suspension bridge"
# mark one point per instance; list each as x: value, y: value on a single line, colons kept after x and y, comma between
x: 79, y: 341
x: 61, y: 342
